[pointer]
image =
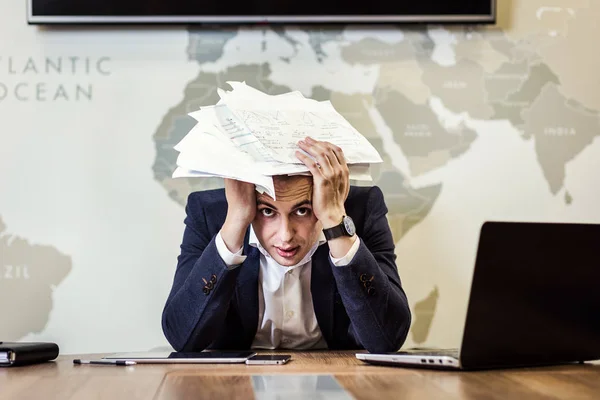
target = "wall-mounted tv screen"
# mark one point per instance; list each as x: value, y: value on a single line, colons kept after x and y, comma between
x: 260, y: 11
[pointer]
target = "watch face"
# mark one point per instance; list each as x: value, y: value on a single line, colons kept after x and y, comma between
x: 349, y: 226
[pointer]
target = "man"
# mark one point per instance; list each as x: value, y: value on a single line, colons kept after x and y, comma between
x: 313, y: 269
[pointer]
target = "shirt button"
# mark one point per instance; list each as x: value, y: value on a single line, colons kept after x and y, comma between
x: 289, y: 314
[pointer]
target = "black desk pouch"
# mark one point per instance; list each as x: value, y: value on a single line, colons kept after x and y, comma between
x: 16, y: 353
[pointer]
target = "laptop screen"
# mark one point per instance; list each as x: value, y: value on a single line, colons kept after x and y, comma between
x: 535, y: 295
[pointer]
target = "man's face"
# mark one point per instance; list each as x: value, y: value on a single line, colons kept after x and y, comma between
x: 287, y: 228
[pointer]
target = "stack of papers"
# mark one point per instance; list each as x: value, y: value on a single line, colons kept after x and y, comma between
x: 251, y: 136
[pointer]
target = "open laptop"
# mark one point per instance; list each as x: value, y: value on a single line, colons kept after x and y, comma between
x: 535, y: 300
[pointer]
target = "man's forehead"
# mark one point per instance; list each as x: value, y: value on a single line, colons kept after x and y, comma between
x: 291, y: 188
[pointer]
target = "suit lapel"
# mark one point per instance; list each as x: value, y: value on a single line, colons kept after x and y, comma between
x: 322, y: 287
x: 247, y: 292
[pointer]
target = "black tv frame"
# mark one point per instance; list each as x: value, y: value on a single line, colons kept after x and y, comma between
x: 267, y: 19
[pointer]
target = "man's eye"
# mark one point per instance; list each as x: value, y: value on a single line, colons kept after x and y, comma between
x: 267, y: 212
x: 301, y: 212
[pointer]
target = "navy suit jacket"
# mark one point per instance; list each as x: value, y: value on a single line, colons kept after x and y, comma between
x: 360, y: 305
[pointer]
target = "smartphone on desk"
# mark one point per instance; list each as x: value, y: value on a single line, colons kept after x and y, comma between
x: 268, y: 359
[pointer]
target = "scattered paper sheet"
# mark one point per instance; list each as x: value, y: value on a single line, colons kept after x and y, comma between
x: 251, y: 136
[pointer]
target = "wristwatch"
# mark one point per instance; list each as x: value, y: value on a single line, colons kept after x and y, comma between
x: 345, y: 228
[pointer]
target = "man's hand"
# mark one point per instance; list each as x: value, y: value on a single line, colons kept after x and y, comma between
x: 241, y: 209
x: 330, y: 180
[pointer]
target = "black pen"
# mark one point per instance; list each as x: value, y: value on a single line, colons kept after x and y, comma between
x: 104, y: 362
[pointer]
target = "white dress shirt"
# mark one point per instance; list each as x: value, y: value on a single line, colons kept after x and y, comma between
x: 286, y: 316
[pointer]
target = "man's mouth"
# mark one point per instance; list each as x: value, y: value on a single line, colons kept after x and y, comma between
x: 287, y: 252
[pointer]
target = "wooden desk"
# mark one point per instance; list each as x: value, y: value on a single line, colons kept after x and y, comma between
x: 62, y: 379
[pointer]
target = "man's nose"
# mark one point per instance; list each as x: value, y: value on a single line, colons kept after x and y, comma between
x: 286, y: 230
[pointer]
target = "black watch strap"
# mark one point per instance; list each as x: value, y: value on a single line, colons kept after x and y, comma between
x: 334, y: 232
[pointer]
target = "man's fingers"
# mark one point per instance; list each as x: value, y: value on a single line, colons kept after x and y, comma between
x: 324, y: 163
x: 328, y: 155
x: 319, y: 152
x: 339, y: 155
x: 312, y: 165
x: 334, y: 153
